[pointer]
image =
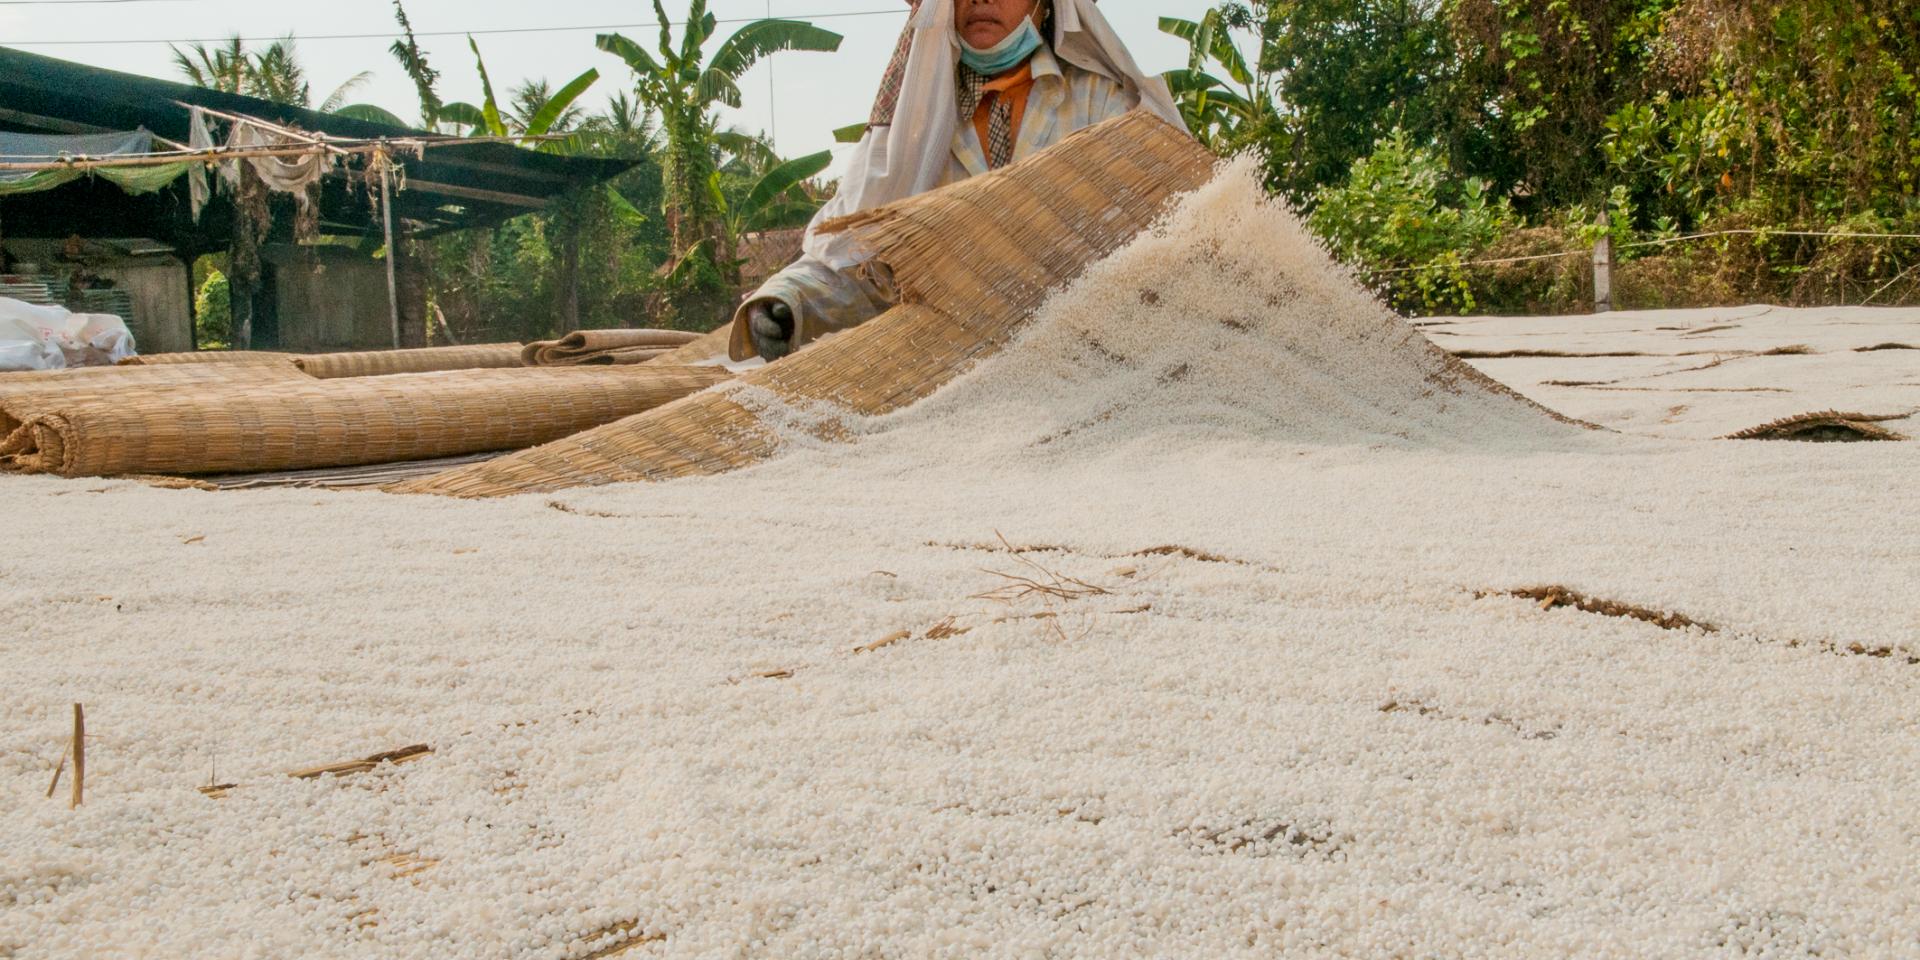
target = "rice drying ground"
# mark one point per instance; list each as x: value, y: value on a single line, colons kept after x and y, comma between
x: 1186, y: 627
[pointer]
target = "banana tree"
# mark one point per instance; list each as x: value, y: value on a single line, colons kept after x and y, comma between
x: 1214, y: 109
x: 542, y: 112
x: 779, y: 197
x: 683, y: 87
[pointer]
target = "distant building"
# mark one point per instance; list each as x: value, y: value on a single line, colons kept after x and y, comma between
x: 125, y: 240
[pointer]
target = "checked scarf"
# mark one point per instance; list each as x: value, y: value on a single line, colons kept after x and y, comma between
x: 1000, y: 132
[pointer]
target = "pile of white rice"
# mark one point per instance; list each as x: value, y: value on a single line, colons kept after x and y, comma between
x: 1272, y: 699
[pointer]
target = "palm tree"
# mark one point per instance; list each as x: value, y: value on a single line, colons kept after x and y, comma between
x: 274, y: 74
x: 681, y: 86
x: 223, y: 68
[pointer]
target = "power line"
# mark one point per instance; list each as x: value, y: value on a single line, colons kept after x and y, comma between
x: 422, y: 33
x: 75, y: 3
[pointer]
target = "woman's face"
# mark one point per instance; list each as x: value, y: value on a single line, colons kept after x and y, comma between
x: 983, y: 23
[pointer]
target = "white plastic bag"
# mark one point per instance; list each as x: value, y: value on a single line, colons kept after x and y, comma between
x: 34, y: 337
x: 97, y: 339
x: 26, y: 342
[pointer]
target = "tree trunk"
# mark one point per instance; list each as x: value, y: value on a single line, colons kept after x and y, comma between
x: 251, y: 218
x: 240, y: 292
x: 569, y: 277
x: 410, y: 277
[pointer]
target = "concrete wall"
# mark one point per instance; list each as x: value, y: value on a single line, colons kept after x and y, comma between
x: 329, y: 298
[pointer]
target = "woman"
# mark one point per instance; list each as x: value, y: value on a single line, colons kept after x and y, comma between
x: 974, y: 85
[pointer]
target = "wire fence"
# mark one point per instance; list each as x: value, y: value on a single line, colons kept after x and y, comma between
x: 1602, y: 253
x: 1660, y: 242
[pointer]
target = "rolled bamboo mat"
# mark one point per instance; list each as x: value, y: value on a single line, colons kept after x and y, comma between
x: 77, y: 381
x: 708, y: 348
x: 208, y: 356
x: 248, y: 427
x: 1024, y: 230
x: 380, y: 363
x: 604, y: 347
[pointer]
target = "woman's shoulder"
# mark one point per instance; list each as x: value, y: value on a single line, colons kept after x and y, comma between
x: 1099, y: 92
x: 1080, y: 76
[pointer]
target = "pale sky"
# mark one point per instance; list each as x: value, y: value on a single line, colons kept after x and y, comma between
x: 809, y: 94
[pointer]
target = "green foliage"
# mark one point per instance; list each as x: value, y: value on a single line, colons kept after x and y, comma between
x: 682, y: 87
x: 1344, y: 74
x: 1672, y: 116
x: 1401, y: 209
x: 212, y: 308
x: 369, y: 113
x: 413, y: 60
x: 273, y: 73
x: 1219, y: 114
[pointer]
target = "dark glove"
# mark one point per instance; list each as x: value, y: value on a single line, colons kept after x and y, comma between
x: 770, y: 325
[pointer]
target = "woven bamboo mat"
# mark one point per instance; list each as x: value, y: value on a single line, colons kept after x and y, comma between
x: 972, y: 262
x: 208, y: 356
x: 709, y: 347
x: 610, y: 347
x: 77, y: 381
x: 380, y: 363
x: 306, y: 423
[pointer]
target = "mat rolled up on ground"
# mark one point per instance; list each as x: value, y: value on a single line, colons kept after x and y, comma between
x: 76, y: 381
x: 380, y: 363
x: 1025, y: 230
x: 245, y: 427
x: 707, y: 348
x: 610, y: 347
x: 208, y: 356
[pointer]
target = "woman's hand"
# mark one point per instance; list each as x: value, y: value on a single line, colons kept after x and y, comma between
x: 770, y: 327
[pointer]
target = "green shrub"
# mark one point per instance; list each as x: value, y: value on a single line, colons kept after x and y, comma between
x: 213, y: 312
x: 1404, y: 216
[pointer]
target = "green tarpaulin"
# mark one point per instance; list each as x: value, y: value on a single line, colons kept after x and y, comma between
x: 44, y: 148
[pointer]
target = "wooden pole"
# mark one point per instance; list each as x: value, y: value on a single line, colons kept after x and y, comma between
x: 393, y: 251
x: 1603, y: 268
x: 79, y: 754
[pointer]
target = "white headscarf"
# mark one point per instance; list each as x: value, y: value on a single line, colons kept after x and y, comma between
x: 911, y: 155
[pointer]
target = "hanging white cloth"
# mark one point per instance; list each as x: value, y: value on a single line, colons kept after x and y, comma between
x: 283, y: 174
x: 906, y: 150
x: 199, y: 137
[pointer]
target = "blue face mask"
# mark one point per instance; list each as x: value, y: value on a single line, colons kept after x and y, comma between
x: 1010, y: 52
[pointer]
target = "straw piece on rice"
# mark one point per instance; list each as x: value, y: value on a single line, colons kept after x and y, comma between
x: 602, y: 346
x: 304, y: 423
x: 379, y: 363
x: 1026, y: 229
